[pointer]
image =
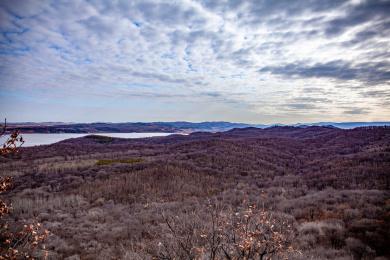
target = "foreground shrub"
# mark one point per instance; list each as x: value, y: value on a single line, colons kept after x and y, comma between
x: 15, y: 242
x: 249, y: 234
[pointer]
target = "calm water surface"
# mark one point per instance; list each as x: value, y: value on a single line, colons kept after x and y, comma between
x: 41, y: 139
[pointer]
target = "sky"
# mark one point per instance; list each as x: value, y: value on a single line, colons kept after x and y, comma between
x: 260, y: 61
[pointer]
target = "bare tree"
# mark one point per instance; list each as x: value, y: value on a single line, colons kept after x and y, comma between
x: 257, y: 234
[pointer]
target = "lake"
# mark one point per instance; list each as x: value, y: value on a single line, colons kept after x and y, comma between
x: 42, y: 139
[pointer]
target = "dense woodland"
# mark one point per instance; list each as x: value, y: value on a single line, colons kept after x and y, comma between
x: 281, y: 192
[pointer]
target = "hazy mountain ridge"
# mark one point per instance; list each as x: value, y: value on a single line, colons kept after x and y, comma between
x: 165, y: 127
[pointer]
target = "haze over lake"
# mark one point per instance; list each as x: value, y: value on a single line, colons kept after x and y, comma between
x: 44, y: 139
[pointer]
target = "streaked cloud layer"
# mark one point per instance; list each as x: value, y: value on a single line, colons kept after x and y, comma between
x: 249, y: 61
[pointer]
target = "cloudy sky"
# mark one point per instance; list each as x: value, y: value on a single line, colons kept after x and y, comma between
x: 260, y: 61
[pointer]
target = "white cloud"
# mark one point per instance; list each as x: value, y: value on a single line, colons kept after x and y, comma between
x: 261, y: 56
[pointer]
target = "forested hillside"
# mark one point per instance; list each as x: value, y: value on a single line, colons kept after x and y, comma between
x: 300, y: 193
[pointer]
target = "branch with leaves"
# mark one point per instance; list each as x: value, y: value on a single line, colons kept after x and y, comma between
x: 20, y: 244
x: 13, y: 143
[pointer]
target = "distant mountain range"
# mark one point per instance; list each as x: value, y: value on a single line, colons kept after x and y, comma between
x: 164, y: 127
x: 347, y: 125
